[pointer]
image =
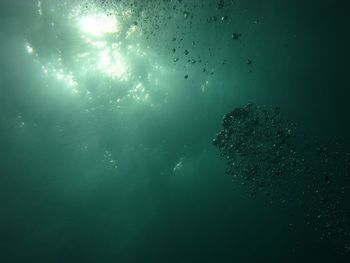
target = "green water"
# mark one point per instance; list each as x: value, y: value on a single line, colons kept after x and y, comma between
x: 107, y: 114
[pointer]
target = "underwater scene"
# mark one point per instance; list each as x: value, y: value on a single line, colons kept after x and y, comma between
x: 174, y: 131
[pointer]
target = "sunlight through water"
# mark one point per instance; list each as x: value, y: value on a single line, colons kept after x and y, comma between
x: 98, y: 24
x: 101, y: 43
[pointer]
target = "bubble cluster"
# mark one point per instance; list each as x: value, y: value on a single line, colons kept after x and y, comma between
x: 267, y: 153
x: 185, y: 20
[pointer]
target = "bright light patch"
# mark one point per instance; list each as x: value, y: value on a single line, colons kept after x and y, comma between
x: 111, y: 63
x: 109, y: 158
x: 98, y: 24
x: 96, y: 44
x: 40, y: 8
x: 44, y: 69
x: 20, y: 121
x: 55, y: 69
x: 179, y: 165
x: 132, y: 29
x: 139, y: 92
x: 104, y: 55
x: 29, y: 49
x: 68, y: 79
x: 107, y: 47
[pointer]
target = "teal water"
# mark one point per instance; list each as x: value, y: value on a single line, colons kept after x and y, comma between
x: 107, y: 114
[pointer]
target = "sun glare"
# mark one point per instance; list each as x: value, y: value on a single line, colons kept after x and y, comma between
x: 107, y: 47
x: 98, y: 24
x: 111, y: 63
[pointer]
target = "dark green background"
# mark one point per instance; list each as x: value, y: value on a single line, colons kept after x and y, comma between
x: 58, y: 204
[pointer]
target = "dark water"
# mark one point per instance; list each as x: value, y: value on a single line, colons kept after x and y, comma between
x: 106, y: 132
